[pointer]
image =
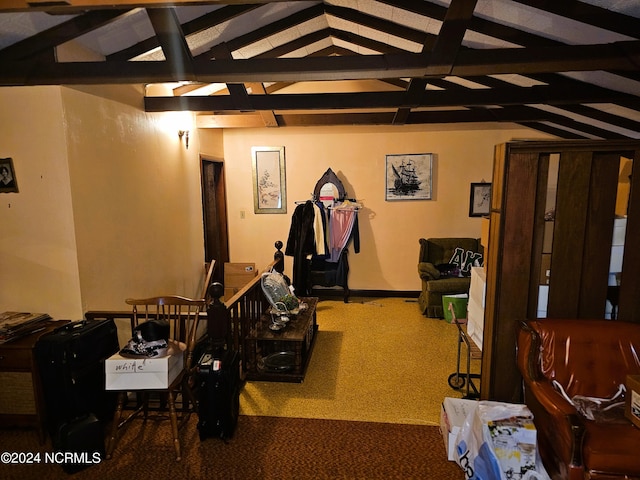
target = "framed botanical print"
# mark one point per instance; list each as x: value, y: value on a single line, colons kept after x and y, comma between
x: 269, y: 180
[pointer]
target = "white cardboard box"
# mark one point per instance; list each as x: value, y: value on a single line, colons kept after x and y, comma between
x: 453, y: 413
x: 142, y: 373
x: 543, y: 300
x: 619, y: 231
x: 475, y: 322
x: 617, y: 252
x: 478, y: 285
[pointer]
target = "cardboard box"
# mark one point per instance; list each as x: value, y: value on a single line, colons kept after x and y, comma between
x: 619, y: 231
x: 475, y: 323
x: 236, y: 276
x: 459, y: 303
x: 617, y: 253
x: 478, y: 286
x: 543, y: 300
x: 632, y: 407
x: 453, y: 413
x: 142, y: 373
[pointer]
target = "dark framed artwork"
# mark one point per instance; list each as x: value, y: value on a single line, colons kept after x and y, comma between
x: 408, y: 176
x: 480, y: 199
x: 269, y: 180
x: 8, y: 182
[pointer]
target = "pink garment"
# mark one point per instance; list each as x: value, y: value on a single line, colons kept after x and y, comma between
x: 342, y: 220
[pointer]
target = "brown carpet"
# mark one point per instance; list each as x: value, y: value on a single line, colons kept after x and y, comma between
x: 262, y: 448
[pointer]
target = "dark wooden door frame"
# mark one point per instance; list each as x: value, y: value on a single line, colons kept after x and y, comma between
x: 582, y: 236
x: 214, y: 211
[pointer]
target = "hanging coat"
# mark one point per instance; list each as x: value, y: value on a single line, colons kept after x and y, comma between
x: 301, y: 246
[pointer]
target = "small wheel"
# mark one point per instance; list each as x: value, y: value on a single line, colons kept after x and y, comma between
x: 456, y: 381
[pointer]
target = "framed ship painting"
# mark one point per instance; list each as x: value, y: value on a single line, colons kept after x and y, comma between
x: 408, y: 176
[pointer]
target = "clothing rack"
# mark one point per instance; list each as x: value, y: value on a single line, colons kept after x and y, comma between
x: 357, y: 205
x: 319, y: 268
x: 301, y: 202
x: 349, y: 201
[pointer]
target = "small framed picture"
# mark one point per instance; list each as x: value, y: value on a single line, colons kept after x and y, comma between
x: 269, y: 180
x: 408, y: 176
x: 480, y: 200
x: 8, y: 182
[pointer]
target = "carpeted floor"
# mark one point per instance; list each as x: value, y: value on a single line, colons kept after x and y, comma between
x: 262, y: 448
x: 375, y: 360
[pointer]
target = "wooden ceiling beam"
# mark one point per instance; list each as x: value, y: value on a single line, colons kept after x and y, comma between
x: 171, y: 38
x: 383, y: 118
x: 208, y: 20
x: 73, y: 6
x: 589, y: 14
x: 531, y: 117
x: 558, y: 132
x: 504, y: 96
x: 443, y: 52
x: 271, y: 29
x: 619, y: 55
x: 381, y: 25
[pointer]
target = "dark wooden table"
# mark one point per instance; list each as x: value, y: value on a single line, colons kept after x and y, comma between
x: 282, y: 356
x: 21, y: 399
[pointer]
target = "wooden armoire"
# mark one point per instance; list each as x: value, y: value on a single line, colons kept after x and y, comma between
x: 562, y: 196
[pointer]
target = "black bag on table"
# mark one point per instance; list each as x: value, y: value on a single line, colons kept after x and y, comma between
x: 71, y: 368
x: 219, y: 393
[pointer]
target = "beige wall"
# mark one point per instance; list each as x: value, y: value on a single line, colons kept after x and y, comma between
x: 136, y: 201
x: 109, y: 204
x: 389, y: 230
x: 38, y: 263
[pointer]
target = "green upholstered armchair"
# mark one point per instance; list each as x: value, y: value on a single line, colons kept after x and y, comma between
x: 435, y: 252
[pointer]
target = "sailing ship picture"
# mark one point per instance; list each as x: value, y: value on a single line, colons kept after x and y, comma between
x: 409, y: 177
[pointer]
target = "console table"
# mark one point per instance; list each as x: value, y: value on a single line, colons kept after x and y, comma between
x: 21, y: 400
x: 282, y: 356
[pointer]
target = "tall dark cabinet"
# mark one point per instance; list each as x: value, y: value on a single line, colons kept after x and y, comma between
x: 554, y: 208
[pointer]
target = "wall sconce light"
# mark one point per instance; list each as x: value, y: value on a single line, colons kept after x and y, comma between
x: 185, y: 134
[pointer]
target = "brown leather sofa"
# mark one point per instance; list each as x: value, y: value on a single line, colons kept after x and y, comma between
x: 435, y: 252
x: 586, y: 358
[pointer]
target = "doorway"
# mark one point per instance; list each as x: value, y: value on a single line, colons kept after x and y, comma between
x: 214, y: 208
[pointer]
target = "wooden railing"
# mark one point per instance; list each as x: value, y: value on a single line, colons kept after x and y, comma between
x: 234, y: 318
x: 231, y: 320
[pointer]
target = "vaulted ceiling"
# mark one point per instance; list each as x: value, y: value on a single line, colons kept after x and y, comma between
x: 569, y: 68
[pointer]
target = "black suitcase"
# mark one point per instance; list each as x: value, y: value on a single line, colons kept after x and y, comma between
x: 70, y: 361
x: 79, y: 443
x: 219, y: 393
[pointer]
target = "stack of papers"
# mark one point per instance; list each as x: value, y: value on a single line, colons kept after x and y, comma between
x: 14, y: 325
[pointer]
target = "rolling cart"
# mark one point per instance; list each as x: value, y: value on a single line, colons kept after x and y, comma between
x: 458, y: 380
